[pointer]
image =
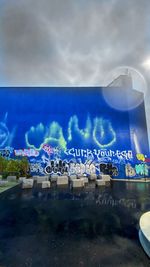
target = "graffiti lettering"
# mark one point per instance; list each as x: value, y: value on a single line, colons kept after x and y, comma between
x: 53, y: 133
x: 26, y: 152
x: 6, y: 152
x: 98, y: 154
x: 129, y: 170
x: 56, y: 167
x: 36, y: 168
x: 70, y: 168
x: 141, y: 169
x: 80, y: 168
x: 103, y: 128
x: 108, y: 169
x: 124, y: 154
x: 48, y: 149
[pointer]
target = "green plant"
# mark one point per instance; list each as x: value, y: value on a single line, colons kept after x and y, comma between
x: 19, y: 167
x: 3, y: 164
x: 24, y: 166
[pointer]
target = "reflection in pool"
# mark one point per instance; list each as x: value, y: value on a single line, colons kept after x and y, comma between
x: 60, y: 227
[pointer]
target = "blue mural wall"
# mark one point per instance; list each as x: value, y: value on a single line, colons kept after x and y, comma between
x: 73, y: 130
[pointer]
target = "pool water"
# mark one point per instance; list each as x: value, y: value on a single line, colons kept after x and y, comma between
x: 64, y: 228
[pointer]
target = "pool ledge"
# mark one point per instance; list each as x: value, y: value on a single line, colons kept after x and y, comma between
x: 144, y: 232
x: 141, y: 180
x: 5, y: 188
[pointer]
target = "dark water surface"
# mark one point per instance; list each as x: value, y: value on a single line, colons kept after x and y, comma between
x: 64, y: 228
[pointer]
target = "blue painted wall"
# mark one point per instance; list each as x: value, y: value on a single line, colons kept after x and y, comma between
x: 63, y: 127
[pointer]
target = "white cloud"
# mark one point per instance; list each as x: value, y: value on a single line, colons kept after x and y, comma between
x: 67, y: 42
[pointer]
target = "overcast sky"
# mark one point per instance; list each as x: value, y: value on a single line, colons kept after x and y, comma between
x: 72, y: 42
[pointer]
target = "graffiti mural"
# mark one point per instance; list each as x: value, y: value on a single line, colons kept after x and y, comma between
x: 26, y: 152
x: 37, y: 136
x: 36, y: 168
x: 99, y: 154
x: 6, y: 137
x: 142, y: 157
x: 61, y: 167
x: 130, y: 171
x: 48, y: 149
x: 6, y: 152
x: 109, y: 169
x: 57, y: 167
x: 137, y: 170
x: 142, y: 169
x: 76, y: 131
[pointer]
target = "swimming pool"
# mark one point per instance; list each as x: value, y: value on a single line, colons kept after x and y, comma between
x: 59, y: 227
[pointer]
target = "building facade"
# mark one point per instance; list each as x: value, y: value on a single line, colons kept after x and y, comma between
x: 78, y: 130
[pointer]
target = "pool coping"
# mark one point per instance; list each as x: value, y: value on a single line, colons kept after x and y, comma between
x: 7, y: 188
x: 141, y: 180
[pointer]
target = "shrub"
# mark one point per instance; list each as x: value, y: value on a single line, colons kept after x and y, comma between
x: 18, y: 167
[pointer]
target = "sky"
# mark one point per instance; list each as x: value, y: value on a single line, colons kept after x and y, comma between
x: 74, y: 42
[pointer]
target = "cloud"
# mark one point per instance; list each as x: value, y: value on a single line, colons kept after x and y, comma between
x: 70, y: 42
x: 67, y: 42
